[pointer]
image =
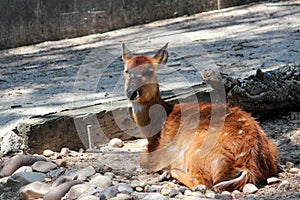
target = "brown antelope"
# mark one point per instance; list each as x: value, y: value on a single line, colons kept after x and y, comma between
x: 241, y: 154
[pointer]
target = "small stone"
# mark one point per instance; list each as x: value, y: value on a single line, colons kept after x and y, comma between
x: 109, y: 192
x: 109, y: 174
x: 101, y: 181
x: 61, y: 163
x: 199, y: 187
x: 289, y: 165
x: 197, y: 194
x: 153, y: 188
x: 236, y: 194
x: 187, y: 192
x: 124, y: 188
x: 20, y: 179
x: 165, y: 191
x: 64, y: 151
x: 250, y: 188
x: 174, y: 192
x: 294, y: 170
x: 43, y: 166
x: 224, y: 196
x: 23, y: 169
x: 284, y: 183
x: 210, y: 194
x: 122, y: 196
x: 80, y: 190
x: 155, y: 196
x: 116, y: 143
x: 48, y: 153
x: 89, y: 197
x: 1, y: 188
x: 56, y: 172
x: 81, y: 150
x: 139, y: 189
x: 34, y: 190
x: 136, y: 183
x: 273, y: 180
x: 86, y: 172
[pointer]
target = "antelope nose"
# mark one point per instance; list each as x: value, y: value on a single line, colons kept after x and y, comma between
x: 133, y: 94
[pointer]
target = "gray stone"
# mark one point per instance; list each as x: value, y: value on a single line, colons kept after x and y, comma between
x: 155, y: 196
x: 223, y: 196
x: 1, y: 188
x: 79, y: 190
x: 42, y: 166
x: 86, y: 172
x: 122, y: 196
x: 34, y: 190
x: 23, y: 169
x: 136, y: 183
x: 250, y: 188
x: 109, y: 192
x: 10, y: 143
x: 23, y: 178
x: 174, y: 192
x: 125, y: 188
x: 101, y: 181
x: 90, y: 197
x: 210, y: 194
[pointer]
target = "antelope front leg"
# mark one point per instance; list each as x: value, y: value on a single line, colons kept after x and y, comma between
x: 185, y: 178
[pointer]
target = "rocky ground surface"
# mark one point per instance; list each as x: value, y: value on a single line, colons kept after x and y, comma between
x: 112, y: 172
x: 53, y: 76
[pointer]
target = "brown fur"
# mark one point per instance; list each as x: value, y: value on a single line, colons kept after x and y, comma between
x: 227, y: 159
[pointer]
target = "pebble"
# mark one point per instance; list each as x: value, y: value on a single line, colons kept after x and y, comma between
x: 155, y: 196
x: 109, y: 192
x: 289, y: 165
x: 273, y: 180
x: 89, y: 197
x: 294, y: 170
x: 197, y: 194
x: 165, y: 191
x: 116, y: 143
x: 23, y: 169
x: 43, y: 166
x: 210, y: 194
x: 236, y: 194
x: 224, y: 196
x: 125, y: 188
x: 174, y: 192
x: 80, y: 190
x: 64, y: 151
x: 153, y: 188
x: 61, y: 163
x: 199, y: 187
x: 86, y: 172
x: 187, y: 192
x: 34, y: 190
x: 284, y: 183
x: 20, y: 179
x: 136, y: 183
x: 122, y: 196
x: 250, y: 188
x: 101, y: 181
x: 48, y: 153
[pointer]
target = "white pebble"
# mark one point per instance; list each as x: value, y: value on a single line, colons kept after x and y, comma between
x: 48, y: 153
x: 116, y: 143
x: 250, y: 188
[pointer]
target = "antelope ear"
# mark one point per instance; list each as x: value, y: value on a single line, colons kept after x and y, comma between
x: 161, y: 56
x: 126, y: 53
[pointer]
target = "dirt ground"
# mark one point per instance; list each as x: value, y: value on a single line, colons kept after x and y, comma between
x: 53, y: 76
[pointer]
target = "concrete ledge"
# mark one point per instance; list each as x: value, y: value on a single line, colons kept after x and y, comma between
x: 34, y: 21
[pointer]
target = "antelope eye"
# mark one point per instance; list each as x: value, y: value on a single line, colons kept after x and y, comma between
x: 126, y: 71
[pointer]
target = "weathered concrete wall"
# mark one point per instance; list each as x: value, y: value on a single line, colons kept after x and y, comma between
x: 31, y: 21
